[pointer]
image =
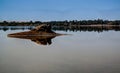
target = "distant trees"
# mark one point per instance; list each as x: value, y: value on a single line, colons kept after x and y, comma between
x: 62, y: 23
x: 73, y: 25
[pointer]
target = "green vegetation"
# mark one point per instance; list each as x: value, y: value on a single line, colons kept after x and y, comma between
x: 62, y: 23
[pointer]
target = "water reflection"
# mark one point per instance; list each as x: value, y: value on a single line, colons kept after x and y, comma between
x: 41, y: 40
x: 84, y: 52
x: 66, y: 28
x: 87, y: 28
x: 6, y: 28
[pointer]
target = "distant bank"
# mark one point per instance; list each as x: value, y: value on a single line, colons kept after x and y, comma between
x: 98, y: 22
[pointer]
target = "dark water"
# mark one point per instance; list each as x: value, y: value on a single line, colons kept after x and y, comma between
x: 81, y: 52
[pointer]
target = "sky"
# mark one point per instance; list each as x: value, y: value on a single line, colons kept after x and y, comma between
x: 59, y: 10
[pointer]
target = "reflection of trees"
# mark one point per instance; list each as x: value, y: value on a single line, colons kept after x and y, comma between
x: 88, y: 28
x: 70, y: 28
x: 5, y: 28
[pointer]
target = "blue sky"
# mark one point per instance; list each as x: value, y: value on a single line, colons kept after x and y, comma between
x: 54, y: 10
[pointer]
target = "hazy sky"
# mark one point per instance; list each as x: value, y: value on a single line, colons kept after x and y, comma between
x: 47, y: 10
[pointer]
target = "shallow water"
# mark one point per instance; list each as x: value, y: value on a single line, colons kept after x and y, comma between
x: 80, y: 52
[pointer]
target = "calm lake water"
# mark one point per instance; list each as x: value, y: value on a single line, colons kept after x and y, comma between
x: 80, y: 52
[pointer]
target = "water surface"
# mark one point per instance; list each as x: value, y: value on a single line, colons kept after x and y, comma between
x: 81, y: 52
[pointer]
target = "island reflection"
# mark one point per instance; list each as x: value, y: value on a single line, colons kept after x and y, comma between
x: 41, y: 40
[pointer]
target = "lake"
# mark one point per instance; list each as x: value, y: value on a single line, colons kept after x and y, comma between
x: 79, y: 52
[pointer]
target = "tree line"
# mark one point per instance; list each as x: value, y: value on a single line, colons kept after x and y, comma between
x: 62, y: 23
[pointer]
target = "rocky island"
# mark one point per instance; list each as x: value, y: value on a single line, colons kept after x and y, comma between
x: 41, y: 34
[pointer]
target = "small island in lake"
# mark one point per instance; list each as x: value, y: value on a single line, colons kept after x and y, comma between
x: 41, y: 34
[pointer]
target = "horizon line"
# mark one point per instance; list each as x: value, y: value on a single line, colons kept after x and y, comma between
x: 56, y: 20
